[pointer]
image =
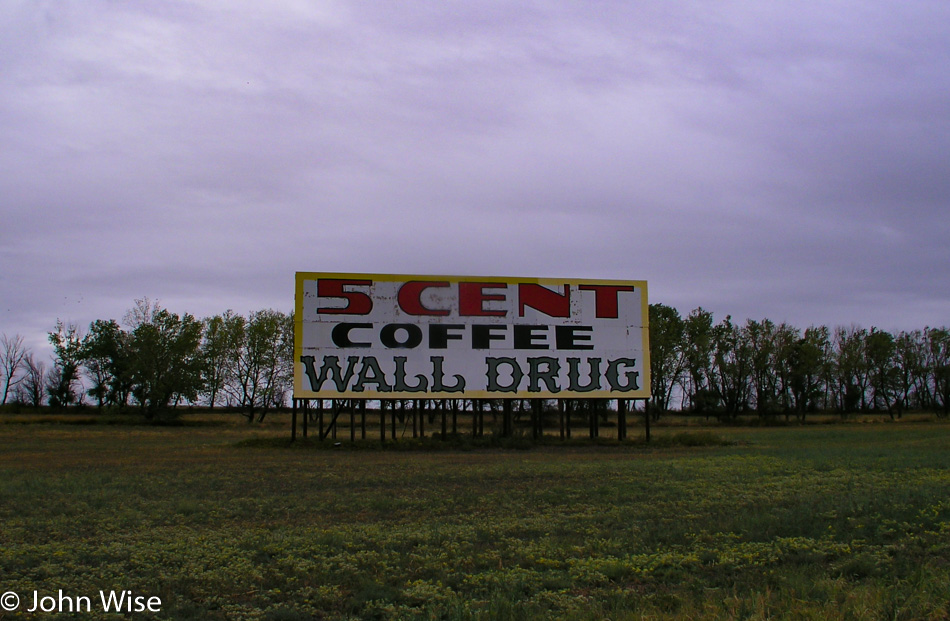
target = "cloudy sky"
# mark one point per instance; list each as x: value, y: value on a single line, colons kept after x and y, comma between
x: 759, y: 159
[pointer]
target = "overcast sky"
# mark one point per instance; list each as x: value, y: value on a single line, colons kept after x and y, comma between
x: 759, y: 159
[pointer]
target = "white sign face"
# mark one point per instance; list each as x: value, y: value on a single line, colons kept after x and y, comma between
x: 441, y: 337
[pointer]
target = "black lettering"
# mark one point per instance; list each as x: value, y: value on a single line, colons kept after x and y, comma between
x: 516, y: 374
x: 525, y: 337
x: 548, y: 376
x: 309, y: 370
x: 567, y: 337
x: 574, y: 375
x: 438, y: 374
x: 613, y: 375
x: 341, y: 334
x: 439, y: 335
x: 387, y: 335
x: 370, y: 373
x: 422, y: 383
x: 330, y: 369
x: 482, y: 335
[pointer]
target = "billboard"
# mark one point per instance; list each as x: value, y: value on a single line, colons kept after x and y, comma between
x: 386, y: 336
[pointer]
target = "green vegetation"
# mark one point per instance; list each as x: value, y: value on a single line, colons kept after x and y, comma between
x: 823, y: 522
x: 162, y: 360
x: 721, y: 370
x: 726, y: 370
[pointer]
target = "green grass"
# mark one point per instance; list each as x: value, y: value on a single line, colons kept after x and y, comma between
x: 228, y: 522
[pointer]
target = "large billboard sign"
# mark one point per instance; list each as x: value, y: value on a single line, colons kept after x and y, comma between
x: 379, y: 336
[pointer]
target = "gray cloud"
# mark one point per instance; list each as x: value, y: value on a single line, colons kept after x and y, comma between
x: 757, y: 159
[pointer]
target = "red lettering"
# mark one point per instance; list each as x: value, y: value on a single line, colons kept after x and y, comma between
x: 472, y: 298
x: 410, y: 295
x: 605, y: 298
x: 551, y: 303
x: 357, y: 302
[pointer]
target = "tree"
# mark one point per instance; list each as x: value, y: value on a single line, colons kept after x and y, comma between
x: 807, y: 361
x: 851, y: 368
x: 166, y: 359
x: 12, y: 356
x: 108, y: 359
x: 264, y: 368
x: 697, y: 351
x: 96, y: 366
x: 786, y: 340
x: 666, y: 355
x: 761, y: 337
x: 61, y: 380
x: 33, y: 387
x: 883, y: 374
x: 143, y: 311
x: 224, y: 337
x: 910, y: 356
x: 732, y: 364
x: 938, y: 364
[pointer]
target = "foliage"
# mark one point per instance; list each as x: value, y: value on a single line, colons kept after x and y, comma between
x: 166, y: 362
x: 938, y: 358
x: 163, y: 359
x: 732, y: 367
x: 109, y: 359
x: 808, y: 356
x: 264, y: 369
x: 724, y: 369
x: 880, y: 351
x: 224, y: 336
x: 697, y: 350
x: 67, y: 346
x: 715, y: 369
x: 666, y: 355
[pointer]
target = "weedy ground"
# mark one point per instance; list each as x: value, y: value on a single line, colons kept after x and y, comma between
x: 826, y: 522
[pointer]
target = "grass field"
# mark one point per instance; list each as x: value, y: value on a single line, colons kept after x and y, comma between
x: 822, y: 522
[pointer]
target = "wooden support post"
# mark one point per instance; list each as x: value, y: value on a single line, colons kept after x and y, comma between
x: 506, y: 423
x: 362, y: 419
x: 338, y: 405
x: 646, y: 420
x: 306, y: 415
x: 382, y: 421
x: 442, y: 403
x: 591, y: 418
x: 540, y: 417
x: 560, y: 416
x: 392, y: 420
x: 535, y: 419
x: 415, y: 423
x: 455, y: 417
x: 293, y: 420
x: 320, y: 418
x: 601, y: 406
x: 621, y: 419
x: 337, y: 408
x: 569, y: 407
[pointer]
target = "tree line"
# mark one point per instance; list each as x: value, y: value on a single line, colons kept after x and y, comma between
x: 157, y: 359
x: 725, y: 369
